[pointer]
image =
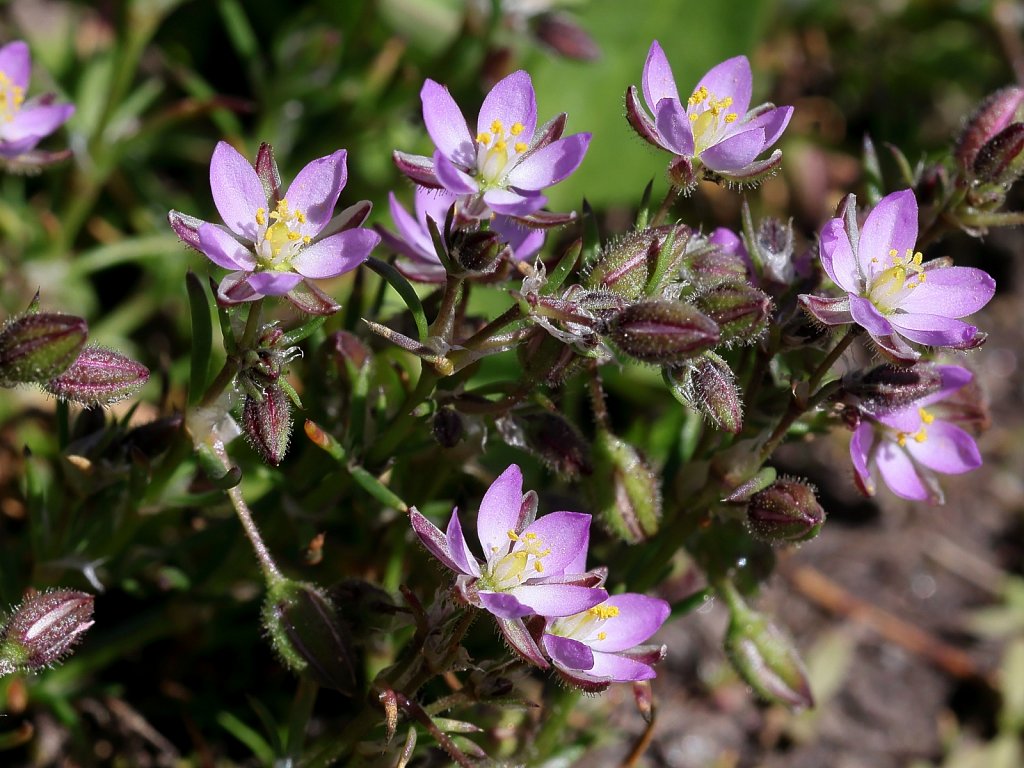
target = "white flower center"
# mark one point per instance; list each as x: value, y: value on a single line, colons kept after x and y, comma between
x: 497, y: 150
x: 582, y: 625
x: 708, y: 118
x: 525, y: 561
x: 11, y: 98
x: 888, y: 288
x: 278, y: 236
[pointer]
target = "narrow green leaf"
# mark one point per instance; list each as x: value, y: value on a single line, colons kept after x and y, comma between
x: 202, y: 336
x: 405, y: 290
x: 304, y: 331
x: 248, y: 736
x: 563, y: 268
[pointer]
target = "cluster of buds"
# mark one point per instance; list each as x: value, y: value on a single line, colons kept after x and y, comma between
x: 268, y: 397
x: 989, y: 152
x: 43, y: 629
x: 48, y: 349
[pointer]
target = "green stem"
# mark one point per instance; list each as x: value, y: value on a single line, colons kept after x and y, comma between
x: 670, y: 198
x: 552, y: 734
x: 233, y: 363
x: 302, y: 711
x: 444, y: 323
x: 399, y: 429
x: 507, y: 317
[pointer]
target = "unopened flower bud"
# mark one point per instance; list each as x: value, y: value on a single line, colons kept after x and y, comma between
x: 1001, y: 160
x: 682, y: 174
x: 37, y: 347
x: 627, y: 265
x: 547, y: 359
x: 99, y: 376
x: 763, y: 656
x: 476, y: 251
x: 447, y: 427
x: 550, y: 437
x: 787, y: 511
x: 721, y: 261
x: 885, y: 388
x: 994, y: 114
x: 267, y: 423
x: 663, y: 332
x: 708, y: 386
x: 740, y: 310
x: 625, y: 489
x: 565, y: 37
x: 43, y: 629
x: 307, y: 633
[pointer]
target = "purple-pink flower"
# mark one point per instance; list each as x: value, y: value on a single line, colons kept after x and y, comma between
x: 713, y: 126
x: 25, y: 122
x: 530, y: 566
x: 272, y: 242
x: 890, y: 290
x: 504, y: 164
x: 908, y: 445
x: 601, y: 645
x: 414, y: 245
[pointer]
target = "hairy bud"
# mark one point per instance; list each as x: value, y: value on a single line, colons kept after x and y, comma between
x: 625, y: 489
x: 99, y: 376
x: 551, y: 438
x: 267, y: 423
x: 1001, y: 160
x: 43, y: 630
x: 787, y: 511
x: 740, y: 310
x: 565, y: 37
x: 993, y: 116
x: 717, y: 263
x: 663, y: 332
x: 447, y: 427
x: 547, y: 359
x: 627, y: 265
x: 305, y: 630
x: 708, y: 386
x: 763, y: 656
x: 37, y: 347
x: 885, y: 388
x: 477, y: 251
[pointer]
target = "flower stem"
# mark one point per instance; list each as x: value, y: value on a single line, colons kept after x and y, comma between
x: 444, y: 323
x: 670, y: 198
x: 552, y: 732
x: 233, y: 363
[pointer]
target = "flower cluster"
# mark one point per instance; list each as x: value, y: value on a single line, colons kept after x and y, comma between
x: 536, y: 568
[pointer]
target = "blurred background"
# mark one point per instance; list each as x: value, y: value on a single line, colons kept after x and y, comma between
x: 911, y: 618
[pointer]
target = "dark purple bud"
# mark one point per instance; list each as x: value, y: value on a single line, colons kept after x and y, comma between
x: 787, y: 511
x: 307, y: 633
x: 624, y: 489
x: 37, y: 347
x: 681, y: 173
x: 447, y: 427
x: 477, y: 251
x: 763, y: 656
x: 886, y: 388
x: 544, y: 358
x: 270, y: 176
x: 43, y: 629
x: 550, y: 437
x: 994, y: 114
x: 99, y: 376
x: 740, y: 310
x: 708, y: 386
x: 663, y: 332
x: 565, y: 37
x: 267, y: 423
x: 1001, y: 159
x: 627, y: 265
x: 711, y: 266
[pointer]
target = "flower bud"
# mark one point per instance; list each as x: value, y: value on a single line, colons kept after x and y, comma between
x: 628, y: 264
x: 994, y: 114
x: 720, y: 262
x: 99, y: 376
x: 43, y: 629
x: 565, y: 37
x: 447, y: 427
x: 476, y: 251
x: 267, y: 423
x: 547, y: 359
x: 787, y: 511
x: 625, y: 490
x: 1001, y: 160
x: 37, y: 347
x: 306, y: 631
x: 763, y: 656
x: 550, y: 437
x: 740, y: 310
x: 885, y: 388
x: 708, y: 386
x: 663, y: 332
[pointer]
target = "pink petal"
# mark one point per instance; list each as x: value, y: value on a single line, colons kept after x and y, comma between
x: 730, y: 78
x: 837, y: 257
x: 861, y: 445
x: 499, y: 513
x: 674, y: 127
x: 336, y: 254
x: 734, y: 152
x: 946, y: 448
x: 567, y: 653
x: 620, y: 669
x: 454, y: 179
x: 509, y: 203
x: 503, y: 605
x: 899, y: 473
x: 458, y: 548
x: 773, y: 121
x: 223, y: 250
x: 557, y: 599
x: 432, y: 538
x: 511, y: 100
x: 37, y: 122
x: 237, y: 190
x: 415, y: 241
x: 951, y: 291
x: 273, y: 283
x: 234, y: 288
x: 892, y: 224
x: 549, y: 165
x: 657, y: 81
x: 868, y: 317
x: 566, y: 534
x: 316, y: 189
x: 446, y: 124
x: 639, y: 617
x: 934, y: 330
x: 16, y: 63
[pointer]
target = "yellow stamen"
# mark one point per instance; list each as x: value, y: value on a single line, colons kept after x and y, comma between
x: 483, y: 138
x: 538, y: 567
x: 520, y: 146
x: 901, y: 439
x: 604, y: 611
x: 497, y: 127
x: 300, y: 217
x: 698, y: 96
x: 602, y: 635
x: 921, y: 435
x: 261, y: 216
x: 513, y: 536
x: 531, y: 536
x: 517, y: 128
x: 731, y: 117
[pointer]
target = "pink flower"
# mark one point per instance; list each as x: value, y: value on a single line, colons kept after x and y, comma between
x: 25, y: 122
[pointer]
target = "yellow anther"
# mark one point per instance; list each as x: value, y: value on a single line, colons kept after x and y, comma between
x: 300, y: 217
x: 725, y: 103
x: 306, y: 239
x: 497, y: 126
x: 893, y: 252
x: 920, y: 436
x: 517, y: 128
x: 531, y: 536
x: 293, y: 236
x: 602, y: 635
x: 282, y: 206
x: 693, y: 117
x: 538, y: 566
x: 604, y: 611
x: 500, y: 145
x: 920, y: 277
x: 918, y: 257
x: 513, y: 535
x: 520, y: 146
x: 698, y: 96
x: 731, y: 117
x: 261, y: 216
x: 901, y: 439
x: 483, y: 138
